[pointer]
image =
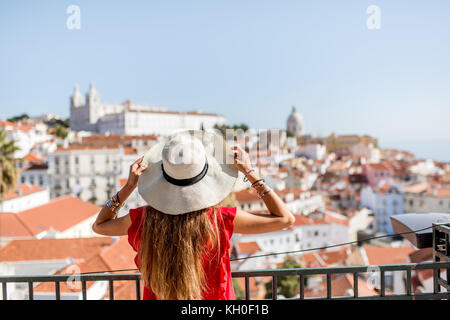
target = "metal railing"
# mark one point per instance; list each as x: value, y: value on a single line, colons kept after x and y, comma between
x: 302, y: 273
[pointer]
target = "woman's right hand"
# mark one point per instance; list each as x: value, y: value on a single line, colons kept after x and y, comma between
x: 241, y: 159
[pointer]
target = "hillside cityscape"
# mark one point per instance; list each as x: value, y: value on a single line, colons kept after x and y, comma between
x: 58, y: 173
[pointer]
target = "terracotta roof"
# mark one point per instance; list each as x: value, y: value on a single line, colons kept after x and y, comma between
x: 441, y: 192
x: 93, y: 264
x: 416, y: 188
x: 387, y: 255
x: 12, y: 227
x: 341, y: 286
x: 129, y: 150
x: 119, y: 255
x: 22, y: 190
x: 246, y: 195
x: 377, y: 166
x: 15, y: 126
x: 248, y: 247
x: 60, y: 214
x: 115, y: 138
x: 31, y: 157
x: 78, y: 147
x: 325, y: 258
x: 53, y: 249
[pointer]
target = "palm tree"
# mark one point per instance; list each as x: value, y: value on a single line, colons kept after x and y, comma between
x: 8, y: 172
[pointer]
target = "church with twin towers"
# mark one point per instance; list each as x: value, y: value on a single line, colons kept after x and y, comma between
x: 89, y: 113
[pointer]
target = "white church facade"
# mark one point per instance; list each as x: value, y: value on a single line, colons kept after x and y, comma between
x: 128, y: 118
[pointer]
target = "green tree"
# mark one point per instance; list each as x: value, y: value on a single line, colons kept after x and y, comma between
x: 288, y: 286
x: 61, y: 131
x: 238, y: 290
x: 18, y: 118
x: 8, y: 171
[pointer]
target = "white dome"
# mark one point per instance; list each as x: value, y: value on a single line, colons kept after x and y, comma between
x: 295, y: 123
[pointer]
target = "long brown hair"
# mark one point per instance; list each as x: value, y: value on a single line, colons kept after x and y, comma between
x: 171, y: 251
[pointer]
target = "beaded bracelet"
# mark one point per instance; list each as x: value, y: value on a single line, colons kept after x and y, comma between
x: 246, y: 176
x: 264, y: 193
x: 253, y: 184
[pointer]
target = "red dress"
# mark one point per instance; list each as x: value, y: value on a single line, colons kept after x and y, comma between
x: 218, y: 275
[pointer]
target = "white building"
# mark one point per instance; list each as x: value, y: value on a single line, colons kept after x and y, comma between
x: 35, y: 174
x: 385, y: 201
x: 367, y: 151
x: 313, y: 151
x: 24, y: 197
x: 89, y: 172
x: 26, y: 135
x: 362, y: 220
x: 294, y: 123
x: 132, y: 119
x: 306, y: 233
x: 425, y: 198
x: 298, y: 201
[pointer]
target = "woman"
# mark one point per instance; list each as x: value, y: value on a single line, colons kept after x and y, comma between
x: 182, y: 237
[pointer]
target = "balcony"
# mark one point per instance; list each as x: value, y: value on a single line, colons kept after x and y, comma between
x: 301, y: 273
x: 438, y: 239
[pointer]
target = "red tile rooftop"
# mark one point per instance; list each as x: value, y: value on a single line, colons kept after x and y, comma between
x: 15, y: 126
x: 53, y: 249
x: 387, y: 255
x: 60, y: 214
x: 248, y: 247
x: 22, y: 190
x: 12, y: 227
x: 416, y: 188
x: 31, y: 157
x: 77, y: 147
x: 341, y: 285
x: 325, y: 258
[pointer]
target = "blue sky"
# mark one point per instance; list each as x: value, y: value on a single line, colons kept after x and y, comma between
x: 248, y: 60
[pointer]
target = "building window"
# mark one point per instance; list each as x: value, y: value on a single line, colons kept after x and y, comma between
x: 41, y: 180
x: 76, y: 159
x: 22, y: 179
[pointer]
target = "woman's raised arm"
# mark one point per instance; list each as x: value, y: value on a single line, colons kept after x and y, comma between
x: 280, y: 217
x: 106, y: 224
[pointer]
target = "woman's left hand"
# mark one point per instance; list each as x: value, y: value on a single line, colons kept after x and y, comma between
x: 135, y: 171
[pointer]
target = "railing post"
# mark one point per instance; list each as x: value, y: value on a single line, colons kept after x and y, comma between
x: 83, y: 289
x: 274, y: 287
x: 30, y: 291
x: 408, y: 282
x: 302, y: 286
x: 436, y: 287
x: 247, y: 289
x: 355, y: 285
x: 57, y: 290
x: 383, y: 284
x: 328, y: 285
x: 138, y: 289
x: 111, y: 290
x: 4, y: 291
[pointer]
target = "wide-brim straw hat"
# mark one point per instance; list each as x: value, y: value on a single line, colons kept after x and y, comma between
x: 187, y: 171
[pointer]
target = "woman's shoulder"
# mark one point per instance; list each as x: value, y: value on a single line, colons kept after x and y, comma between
x: 137, y: 216
x: 228, y: 212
